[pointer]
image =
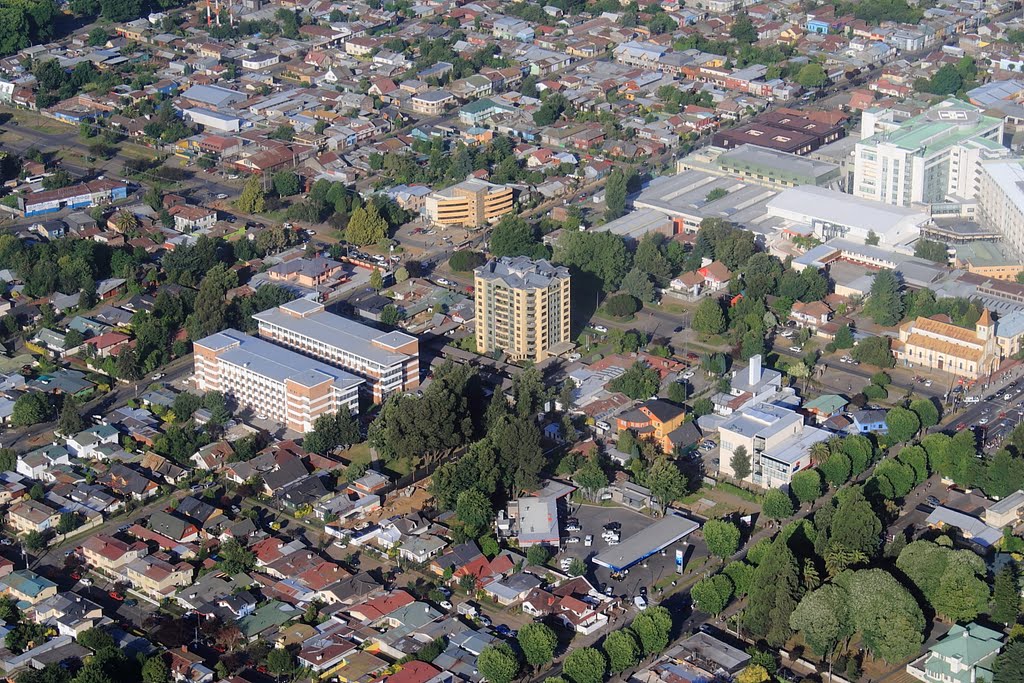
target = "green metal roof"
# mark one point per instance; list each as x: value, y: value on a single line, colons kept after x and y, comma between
x: 938, y: 128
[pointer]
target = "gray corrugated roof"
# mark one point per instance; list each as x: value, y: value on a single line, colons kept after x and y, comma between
x: 338, y: 332
x: 272, y: 361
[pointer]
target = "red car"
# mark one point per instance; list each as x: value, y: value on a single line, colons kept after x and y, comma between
x: 116, y: 596
x: 693, y: 356
x: 961, y: 427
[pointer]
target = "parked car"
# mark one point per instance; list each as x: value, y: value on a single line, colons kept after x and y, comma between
x: 932, y: 500
x: 444, y: 283
x: 589, y: 540
x: 640, y: 603
x: 445, y: 605
x: 601, y: 328
x: 572, y: 539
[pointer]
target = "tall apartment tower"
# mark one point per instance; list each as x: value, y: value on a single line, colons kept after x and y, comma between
x: 522, y: 308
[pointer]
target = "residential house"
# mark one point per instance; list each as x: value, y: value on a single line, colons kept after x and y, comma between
x: 88, y: 443
x: 659, y: 421
x: 38, y: 464
x: 965, y: 655
x: 31, y: 516
x: 157, y: 578
x: 27, y: 587
x: 110, y: 555
x: 69, y: 614
x: 173, y: 527
x: 811, y: 315
x: 866, y: 421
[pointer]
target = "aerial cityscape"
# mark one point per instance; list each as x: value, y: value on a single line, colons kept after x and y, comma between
x: 455, y: 341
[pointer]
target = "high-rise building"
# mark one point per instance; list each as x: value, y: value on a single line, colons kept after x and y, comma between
x: 388, y: 361
x: 933, y: 158
x: 1001, y: 200
x: 522, y: 308
x: 273, y: 381
x: 470, y: 204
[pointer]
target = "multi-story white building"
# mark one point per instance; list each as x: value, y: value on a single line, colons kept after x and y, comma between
x: 776, y: 440
x: 273, y: 381
x: 932, y: 159
x: 388, y: 361
x: 1001, y: 200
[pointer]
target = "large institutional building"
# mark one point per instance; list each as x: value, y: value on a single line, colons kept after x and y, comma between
x: 933, y: 158
x: 273, y: 381
x: 522, y: 308
x: 388, y: 361
x: 931, y: 343
x: 469, y: 204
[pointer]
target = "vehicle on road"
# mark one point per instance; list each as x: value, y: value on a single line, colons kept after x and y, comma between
x: 795, y: 349
x: 86, y: 581
x: 157, y: 376
x: 444, y: 283
x: 688, y: 374
x: 222, y: 196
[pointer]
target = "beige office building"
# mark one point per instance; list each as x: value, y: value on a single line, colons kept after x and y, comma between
x: 388, y: 361
x: 470, y: 204
x: 273, y: 381
x: 522, y: 308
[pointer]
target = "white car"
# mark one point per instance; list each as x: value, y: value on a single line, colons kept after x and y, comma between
x: 157, y: 376
x: 601, y: 328
x: 688, y: 374
x: 972, y: 399
x: 640, y: 603
x: 573, y: 357
x: 86, y: 581
x: 222, y: 196
x: 446, y: 605
x: 1007, y: 397
x: 983, y: 421
x: 589, y: 540
x: 262, y: 417
x: 572, y: 539
x: 444, y: 283
x: 795, y: 349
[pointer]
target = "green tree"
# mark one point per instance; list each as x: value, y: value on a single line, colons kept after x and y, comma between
x: 70, y: 421
x: 155, y: 670
x: 475, y: 512
x: 601, y: 254
x: 537, y: 555
x: 722, y: 537
x: 774, y: 593
x: 812, y: 76
x: 31, y: 408
x: 1009, y: 665
x: 621, y: 305
x: 844, y: 337
x: 35, y: 541
x: 886, y: 615
x: 585, y: 665
x: 235, y: 558
x: 903, y: 424
x: 622, y: 650
x: 513, y: 236
x: 466, y: 260
x: 708, y: 318
x: 638, y: 284
x: 855, y: 526
x: 640, y: 381
x: 615, y: 194
x: 703, y: 406
x: 836, y: 469
x: 885, y: 305
x: 822, y: 617
x: 712, y: 594
x: 253, y: 199
x: 537, y: 641
x: 666, y: 482
x: 281, y: 662
x: 741, y: 574
x: 653, y: 627
x: 743, y: 30
x: 366, y: 226
x: 286, y: 183
x: 777, y: 505
x: 874, y: 351
x: 806, y: 486
x: 498, y: 663
x: 1006, y: 595
x: 926, y: 411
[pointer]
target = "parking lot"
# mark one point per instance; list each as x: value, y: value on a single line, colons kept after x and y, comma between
x: 657, y: 568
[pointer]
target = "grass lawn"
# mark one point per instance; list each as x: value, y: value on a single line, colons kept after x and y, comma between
x: 738, y: 492
x: 40, y: 123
